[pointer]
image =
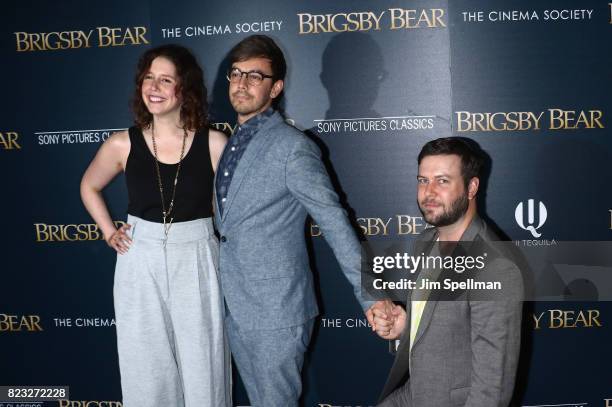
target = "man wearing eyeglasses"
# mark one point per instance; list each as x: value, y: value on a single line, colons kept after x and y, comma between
x: 270, y: 178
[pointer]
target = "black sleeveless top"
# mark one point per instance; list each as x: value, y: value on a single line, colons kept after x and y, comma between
x: 194, y: 190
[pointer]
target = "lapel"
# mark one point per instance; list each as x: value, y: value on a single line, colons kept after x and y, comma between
x: 468, y: 236
x: 401, y: 363
x: 246, y: 161
x: 215, y: 203
x: 429, y: 307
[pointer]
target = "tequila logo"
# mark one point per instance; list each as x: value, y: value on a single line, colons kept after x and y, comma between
x: 530, y: 225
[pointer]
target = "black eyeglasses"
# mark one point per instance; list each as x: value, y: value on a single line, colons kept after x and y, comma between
x: 254, y: 78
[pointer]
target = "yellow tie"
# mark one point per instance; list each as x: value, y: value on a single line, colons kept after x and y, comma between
x: 418, y: 306
x: 416, y: 312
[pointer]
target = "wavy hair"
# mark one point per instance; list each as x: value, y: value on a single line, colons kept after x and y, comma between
x: 190, y: 87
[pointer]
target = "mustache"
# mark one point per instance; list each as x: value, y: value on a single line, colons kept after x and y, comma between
x: 429, y: 201
x: 243, y: 94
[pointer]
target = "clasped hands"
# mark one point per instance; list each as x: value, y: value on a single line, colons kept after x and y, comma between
x: 387, y: 319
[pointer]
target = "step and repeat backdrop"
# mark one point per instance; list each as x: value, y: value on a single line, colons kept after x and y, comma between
x: 371, y: 82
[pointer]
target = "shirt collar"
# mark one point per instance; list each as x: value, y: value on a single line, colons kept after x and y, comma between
x: 255, y: 121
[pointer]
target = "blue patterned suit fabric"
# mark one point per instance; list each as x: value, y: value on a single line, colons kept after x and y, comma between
x: 236, y: 146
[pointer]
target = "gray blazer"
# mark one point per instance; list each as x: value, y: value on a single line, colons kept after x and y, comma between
x: 264, y: 269
x: 465, y: 352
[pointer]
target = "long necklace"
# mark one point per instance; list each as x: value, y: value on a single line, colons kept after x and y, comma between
x: 167, y: 220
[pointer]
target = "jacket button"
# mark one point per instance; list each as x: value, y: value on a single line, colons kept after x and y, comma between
x: 223, y: 239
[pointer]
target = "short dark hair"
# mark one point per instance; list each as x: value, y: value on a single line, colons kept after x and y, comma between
x: 472, y: 156
x: 260, y: 46
x: 190, y: 85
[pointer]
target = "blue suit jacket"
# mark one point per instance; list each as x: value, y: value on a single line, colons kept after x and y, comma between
x: 264, y: 267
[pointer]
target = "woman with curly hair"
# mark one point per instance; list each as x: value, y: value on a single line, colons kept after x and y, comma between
x: 168, y: 305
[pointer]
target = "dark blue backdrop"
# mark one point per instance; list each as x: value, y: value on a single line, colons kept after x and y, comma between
x: 371, y: 94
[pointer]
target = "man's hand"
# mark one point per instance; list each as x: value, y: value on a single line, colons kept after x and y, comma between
x: 387, y: 319
x: 380, y: 309
x: 399, y: 324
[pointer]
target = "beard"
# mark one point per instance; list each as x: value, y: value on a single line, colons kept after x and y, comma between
x: 244, y: 106
x: 449, y: 215
x: 247, y: 103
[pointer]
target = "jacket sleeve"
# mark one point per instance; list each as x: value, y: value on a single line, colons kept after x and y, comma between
x: 309, y: 183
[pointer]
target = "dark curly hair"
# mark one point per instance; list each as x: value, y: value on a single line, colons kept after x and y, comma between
x: 190, y: 85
